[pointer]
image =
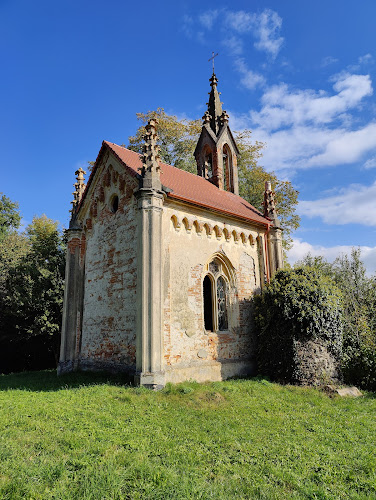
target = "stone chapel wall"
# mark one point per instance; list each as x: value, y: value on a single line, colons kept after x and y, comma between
x: 191, y: 238
x: 109, y: 329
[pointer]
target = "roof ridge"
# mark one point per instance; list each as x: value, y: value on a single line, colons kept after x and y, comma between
x: 193, y: 189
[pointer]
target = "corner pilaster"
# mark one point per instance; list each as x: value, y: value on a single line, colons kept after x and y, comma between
x: 274, y: 238
x: 149, y: 338
x: 73, y: 302
x: 275, y: 249
x: 149, y: 343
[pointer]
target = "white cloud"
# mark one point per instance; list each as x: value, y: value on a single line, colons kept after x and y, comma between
x: 348, y: 147
x: 234, y: 44
x: 264, y: 26
x: 370, y: 163
x: 240, y: 21
x: 366, y: 59
x: 283, y: 107
x: 189, y: 27
x: 251, y: 79
x: 308, y: 128
x: 268, y: 24
x: 208, y: 18
x: 355, y: 204
x: 301, y: 248
x: 327, y: 61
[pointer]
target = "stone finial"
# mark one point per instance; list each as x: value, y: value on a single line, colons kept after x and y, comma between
x: 213, y: 80
x: 206, y: 118
x: 79, y: 188
x: 150, y: 170
x: 269, y: 202
x: 224, y: 117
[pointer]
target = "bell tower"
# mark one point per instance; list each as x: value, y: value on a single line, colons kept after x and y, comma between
x: 216, y: 149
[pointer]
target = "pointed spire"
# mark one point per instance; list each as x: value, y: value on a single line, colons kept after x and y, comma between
x: 150, y: 170
x: 79, y: 188
x: 214, y: 105
x: 269, y: 203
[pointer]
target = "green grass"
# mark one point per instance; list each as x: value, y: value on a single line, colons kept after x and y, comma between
x: 89, y: 437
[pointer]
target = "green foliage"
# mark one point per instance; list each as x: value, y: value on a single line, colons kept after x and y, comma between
x: 359, y: 292
x: 359, y: 320
x: 13, y: 247
x: 77, y: 437
x: 178, y: 139
x: 10, y: 218
x: 296, y: 306
x: 31, y: 290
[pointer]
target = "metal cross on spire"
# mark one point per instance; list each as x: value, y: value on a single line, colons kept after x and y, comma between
x: 212, y: 59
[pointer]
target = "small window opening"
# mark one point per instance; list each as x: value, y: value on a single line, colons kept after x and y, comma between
x: 227, y: 169
x: 225, y: 172
x: 208, y: 166
x: 208, y: 304
x: 114, y: 204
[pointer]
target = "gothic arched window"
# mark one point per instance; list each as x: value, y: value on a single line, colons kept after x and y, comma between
x: 228, y: 181
x: 208, y: 163
x: 216, y: 295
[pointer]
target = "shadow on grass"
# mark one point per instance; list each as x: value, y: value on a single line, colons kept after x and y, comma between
x: 47, y: 380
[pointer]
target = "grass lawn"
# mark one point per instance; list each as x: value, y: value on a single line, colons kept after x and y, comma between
x: 90, y: 437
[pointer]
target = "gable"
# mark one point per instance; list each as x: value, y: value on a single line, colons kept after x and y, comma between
x: 207, y: 136
x: 225, y: 135
x: 110, y: 189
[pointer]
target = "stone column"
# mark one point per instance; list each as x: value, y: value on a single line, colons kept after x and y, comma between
x: 149, y: 351
x: 149, y: 338
x: 73, y: 302
x: 261, y: 260
x: 275, y: 249
x: 274, y: 242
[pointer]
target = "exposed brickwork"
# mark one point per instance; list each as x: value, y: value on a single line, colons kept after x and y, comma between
x: 109, y: 330
x: 73, y: 244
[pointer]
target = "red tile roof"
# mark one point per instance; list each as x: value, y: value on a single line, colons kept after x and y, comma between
x: 190, y: 188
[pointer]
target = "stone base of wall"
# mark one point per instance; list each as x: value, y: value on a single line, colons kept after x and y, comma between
x: 210, y: 371
x: 89, y: 365
x: 65, y: 367
x: 200, y: 371
x: 314, y: 364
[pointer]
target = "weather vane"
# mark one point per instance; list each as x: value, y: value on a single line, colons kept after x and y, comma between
x: 212, y: 59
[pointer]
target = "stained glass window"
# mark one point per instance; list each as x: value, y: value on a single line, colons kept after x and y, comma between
x: 214, y: 267
x: 222, y: 303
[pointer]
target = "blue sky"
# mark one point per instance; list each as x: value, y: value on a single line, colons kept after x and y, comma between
x: 300, y: 75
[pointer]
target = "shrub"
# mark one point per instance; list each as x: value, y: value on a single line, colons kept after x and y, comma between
x: 359, y: 319
x: 299, y: 326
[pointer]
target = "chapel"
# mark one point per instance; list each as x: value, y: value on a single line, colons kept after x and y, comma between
x: 162, y: 264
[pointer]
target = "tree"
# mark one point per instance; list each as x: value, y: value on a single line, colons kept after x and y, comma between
x: 10, y: 218
x: 33, y: 299
x: 178, y: 139
x: 13, y: 247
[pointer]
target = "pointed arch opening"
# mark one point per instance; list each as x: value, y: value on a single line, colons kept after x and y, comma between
x: 208, y: 303
x: 218, y: 284
x: 228, y: 180
x: 208, y: 163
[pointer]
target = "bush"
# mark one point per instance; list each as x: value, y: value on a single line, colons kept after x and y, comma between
x: 359, y: 319
x: 299, y: 326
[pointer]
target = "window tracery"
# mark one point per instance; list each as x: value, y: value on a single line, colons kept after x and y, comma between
x: 216, y: 296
